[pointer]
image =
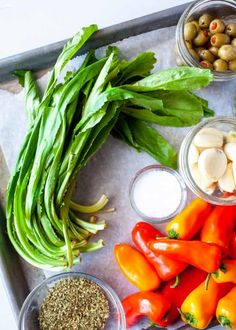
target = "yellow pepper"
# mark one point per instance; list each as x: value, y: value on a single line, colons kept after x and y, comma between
x: 188, y: 222
x: 227, y: 272
x: 226, y: 310
x: 199, y: 308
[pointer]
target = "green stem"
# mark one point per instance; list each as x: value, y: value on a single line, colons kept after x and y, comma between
x: 176, y: 283
x: 96, y: 207
x: 90, y: 247
x: 173, y: 234
x: 207, y: 281
x: 225, y: 322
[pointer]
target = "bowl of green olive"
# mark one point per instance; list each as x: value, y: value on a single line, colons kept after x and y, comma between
x: 206, y: 37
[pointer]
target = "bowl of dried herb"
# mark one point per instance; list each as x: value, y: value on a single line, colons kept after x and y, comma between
x: 71, y: 301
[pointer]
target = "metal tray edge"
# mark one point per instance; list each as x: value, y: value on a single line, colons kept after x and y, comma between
x: 44, y: 57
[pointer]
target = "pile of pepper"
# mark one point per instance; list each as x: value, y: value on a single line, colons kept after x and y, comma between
x: 188, y: 273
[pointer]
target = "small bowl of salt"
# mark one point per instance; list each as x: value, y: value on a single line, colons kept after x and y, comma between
x: 157, y: 193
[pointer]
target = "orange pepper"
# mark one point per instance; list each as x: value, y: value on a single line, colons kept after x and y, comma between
x: 136, y: 268
x: 188, y: 222
x: 226, y: 310
x: 199, y: 308
x: 226, y: 273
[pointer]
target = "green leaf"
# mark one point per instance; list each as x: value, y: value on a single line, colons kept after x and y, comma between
x: 180, y: 108
x: 114, y: 94
x: 151, y: 117
x: 147, y: 139
x: 32, y: 97
x: 182, y: 78
x: 70, y: 49
x: 139, y: 67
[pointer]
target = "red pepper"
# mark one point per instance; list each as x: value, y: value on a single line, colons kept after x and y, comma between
x: 153, y: 305
x: 188, y: 281
x: 166, y: 268
x: 199, y: 254
x: 219, y: 225
x: 232, y: 246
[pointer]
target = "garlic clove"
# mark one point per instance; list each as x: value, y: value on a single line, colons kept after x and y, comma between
x: 226, y: 182
x: 230, y: 150
x: 230, y: 137
x: 209, y: 137
x: 202, y: 181
x: 212, y: 163
x: 193, y: 155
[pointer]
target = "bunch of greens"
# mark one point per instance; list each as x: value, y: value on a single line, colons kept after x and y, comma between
x: 69, y: 123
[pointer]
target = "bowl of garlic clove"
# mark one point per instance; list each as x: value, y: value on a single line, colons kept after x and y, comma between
x: 207, y: 160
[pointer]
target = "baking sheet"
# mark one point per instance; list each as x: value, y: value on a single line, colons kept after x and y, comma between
x: 112, y: 168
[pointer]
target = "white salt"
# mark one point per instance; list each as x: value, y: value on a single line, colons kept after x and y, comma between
x: 157, y: 193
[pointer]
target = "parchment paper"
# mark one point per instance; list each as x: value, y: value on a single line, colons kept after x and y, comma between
x: 111, y: 170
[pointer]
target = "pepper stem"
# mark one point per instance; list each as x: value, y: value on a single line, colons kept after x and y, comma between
x: 225, y: 322
x: 172, y: 234
x: 207, y: 281
x: 176, y: 283
x: 188, y: 318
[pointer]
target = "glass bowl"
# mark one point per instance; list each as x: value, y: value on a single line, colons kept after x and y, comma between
x: 182, y: 188
x: 220, y: 9
x: 222, y: 123
x: 28, y: 319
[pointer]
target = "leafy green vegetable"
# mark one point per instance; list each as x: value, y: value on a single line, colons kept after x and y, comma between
x: 145, y: 138
x: 138, y: 67
x: 70, y: 123
x: 185, y: 78
x: 32, y: 97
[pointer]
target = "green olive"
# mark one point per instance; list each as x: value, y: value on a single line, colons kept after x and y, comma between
x: 233, y: 42
x: 188, y: 44
x: 206, y: 64
x: 220, y: 39
x: 220, y: 65
x: 227, y: 52
x: 194, y: 54
x: 190, y: 31
x: 217, y: 26
x: 199, y: 49
x: 214, y: 50
x: 204, y: 21
x: 196, y: 24
x: 231, y: 29
x: 232, y: 65
x: 201, y: 38
x: 205, y: 54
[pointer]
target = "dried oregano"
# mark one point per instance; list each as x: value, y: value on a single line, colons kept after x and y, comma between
x: 74, y: 304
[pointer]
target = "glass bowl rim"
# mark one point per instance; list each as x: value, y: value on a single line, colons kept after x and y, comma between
x: 183, y: 157
x: 178, y: 177
x: 55, y: 278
